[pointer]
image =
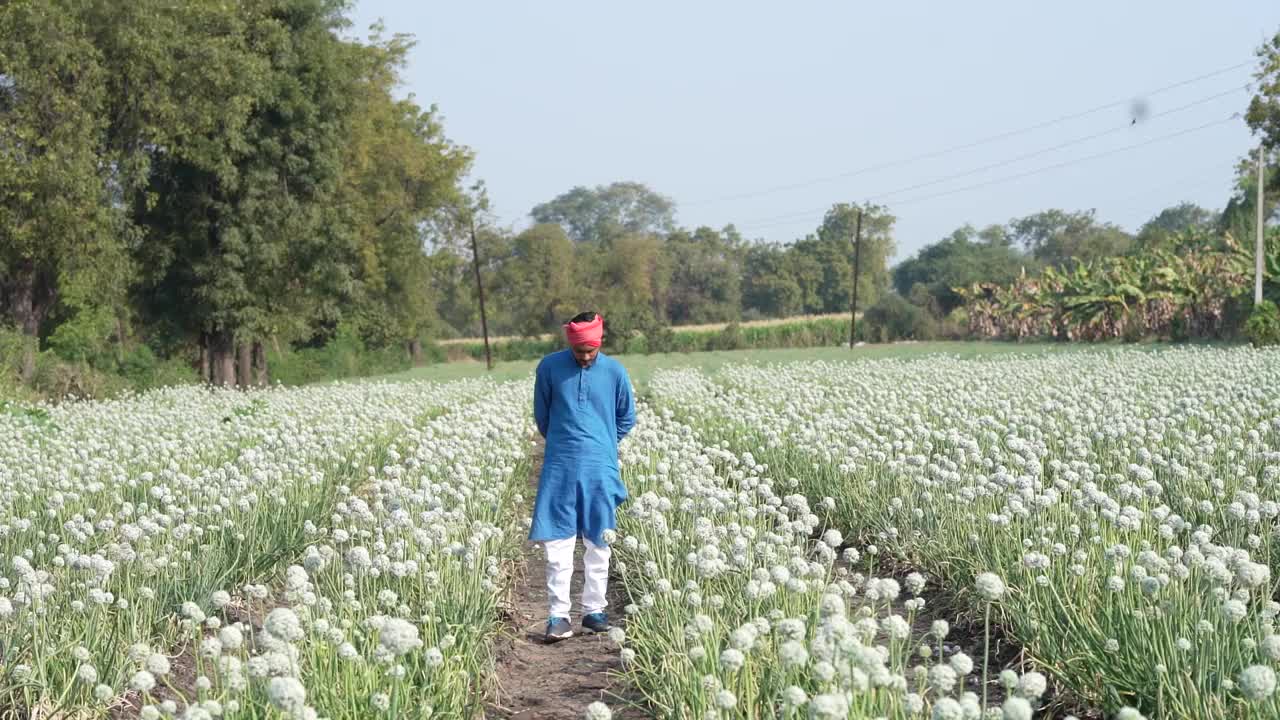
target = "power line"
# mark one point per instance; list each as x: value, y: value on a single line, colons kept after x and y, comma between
x: 965, y: 146
x: 1068, y: 163
x: 769, y: 221
x: 1018, y: 176
x: 1194, y: 179
x: 1044, y: 151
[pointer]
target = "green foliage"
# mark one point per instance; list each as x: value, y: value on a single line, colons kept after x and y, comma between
x: 37, y: 415
x: 892, y: 318
x: 145, y: 370
x: 1063, y: 239
x: 57, y: 379
x: 1175, y: 226
x: 535, y: 284
x: 398, y: 172
x: 15, y: 346
x: 769, y: 285
x: 815, y: 275
x: 1188, y: 294
x: 344, y: 356
x: 730, y: 338
x: 962, y: 258
x: 605, y: 213
x: 1263, y: 326
x: 60, y: 232
x: 250, y: 241
x: 1263, y: 115
x: 706, y: 281
x: 832, y: 250
x: 86, y: 338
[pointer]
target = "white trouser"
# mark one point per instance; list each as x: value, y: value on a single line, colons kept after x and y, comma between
x: 595, y: 566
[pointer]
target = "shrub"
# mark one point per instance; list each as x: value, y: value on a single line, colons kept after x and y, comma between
x: 144, y: 370
x: 1263, y: 326
x: 893, y: 318
x: 730, y: 338
x: 87, y: 339
x: 345, y: 355
x: 13, y: 346
x: 59, y: 380
x: 659, y: 340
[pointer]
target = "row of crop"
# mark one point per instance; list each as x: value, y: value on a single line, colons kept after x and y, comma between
x: 114, y: 515
x: 391, y: 609
x: 1124, y: 499
x: 737, y: 612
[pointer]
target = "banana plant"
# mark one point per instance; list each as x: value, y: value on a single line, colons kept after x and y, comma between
x: 1134, y: 295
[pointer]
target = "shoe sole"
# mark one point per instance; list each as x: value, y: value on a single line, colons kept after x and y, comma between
x: 557, y: 638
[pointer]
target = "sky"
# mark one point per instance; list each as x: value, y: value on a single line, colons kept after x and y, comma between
x: 764, y: 114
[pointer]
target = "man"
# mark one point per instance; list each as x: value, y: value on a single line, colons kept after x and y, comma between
x: 583, y: 406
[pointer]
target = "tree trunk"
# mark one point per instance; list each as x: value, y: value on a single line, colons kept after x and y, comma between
x: 121, y: 338
x: 244, y: 365
x: 27, y: 314
x: 260, y: 378
x: 205, y: 366
x: 415, y: 352
x: 224, y: 359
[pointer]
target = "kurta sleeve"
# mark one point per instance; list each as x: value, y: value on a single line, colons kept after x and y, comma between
x: 626, y: 403
x: 541, y: 399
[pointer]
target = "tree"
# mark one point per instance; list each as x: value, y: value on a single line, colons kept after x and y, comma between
x: 245, y: 233
x: 606, y: 213
x: 1239, y: 217
x: 769, y: 284
x: 823, y: 263
x: 1064, y: 239
x: 1263, y: 115
x: 1172, y: 223
x: 837, y: 234
x: 706, y: 281
x: 536, y: 284
x: 635, y: 278
x: 453, y: 290
x: 398, y: 171
x: 56, y: 230
x: 963, y: 258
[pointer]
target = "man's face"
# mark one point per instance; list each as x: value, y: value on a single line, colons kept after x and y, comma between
x: 585, y: 354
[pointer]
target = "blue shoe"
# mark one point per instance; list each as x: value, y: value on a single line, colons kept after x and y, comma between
x: 558, y: 628
x: 596, y: 622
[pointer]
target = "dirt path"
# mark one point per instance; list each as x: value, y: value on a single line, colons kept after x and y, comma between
x: 540, y: 681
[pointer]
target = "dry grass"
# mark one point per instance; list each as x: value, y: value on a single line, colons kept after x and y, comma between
x: 492, y: 340
x: 675, y: 328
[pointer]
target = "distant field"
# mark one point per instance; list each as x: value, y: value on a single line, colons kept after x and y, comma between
x: 641, y: 367
x: 675, y: 328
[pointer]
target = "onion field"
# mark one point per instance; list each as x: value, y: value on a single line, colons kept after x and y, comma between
x: 1026, y: 535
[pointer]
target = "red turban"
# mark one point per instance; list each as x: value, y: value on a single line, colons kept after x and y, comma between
x: 585, y: 333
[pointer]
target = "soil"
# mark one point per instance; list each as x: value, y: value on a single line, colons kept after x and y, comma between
x: 537, y: 680
x: 182, y: 676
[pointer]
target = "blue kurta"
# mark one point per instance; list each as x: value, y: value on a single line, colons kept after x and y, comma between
x: 583, y: 413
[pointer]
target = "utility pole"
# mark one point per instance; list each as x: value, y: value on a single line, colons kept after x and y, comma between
x: 1257, y: 259
x: 853, y: 300
x: 484, y: 323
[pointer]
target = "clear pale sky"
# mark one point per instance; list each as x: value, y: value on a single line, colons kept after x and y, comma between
x: 703, y: 101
